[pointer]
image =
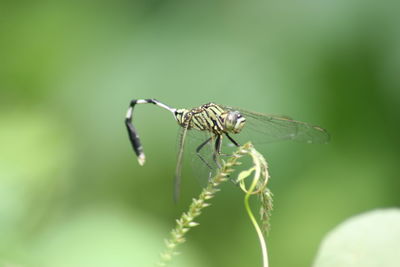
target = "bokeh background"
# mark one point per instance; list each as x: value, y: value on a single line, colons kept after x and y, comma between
x: 71, y: 191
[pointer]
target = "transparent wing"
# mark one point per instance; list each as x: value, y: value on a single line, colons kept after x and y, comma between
x: 271, y: 128
x: 178, y: 171
x: 202, y: 162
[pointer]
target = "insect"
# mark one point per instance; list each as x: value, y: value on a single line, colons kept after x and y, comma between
x: 220, y: 121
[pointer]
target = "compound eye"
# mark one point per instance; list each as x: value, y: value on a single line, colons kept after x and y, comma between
x: 234, y: 116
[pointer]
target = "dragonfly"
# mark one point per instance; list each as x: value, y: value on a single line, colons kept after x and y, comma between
x: 219, y: 122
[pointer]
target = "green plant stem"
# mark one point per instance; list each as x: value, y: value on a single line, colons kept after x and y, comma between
x: 256, y: 226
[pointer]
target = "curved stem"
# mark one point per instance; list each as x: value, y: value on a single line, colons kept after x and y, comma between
x: 258, y: 230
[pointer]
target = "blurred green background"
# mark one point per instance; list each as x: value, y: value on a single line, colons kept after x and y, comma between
x: 71, y: 191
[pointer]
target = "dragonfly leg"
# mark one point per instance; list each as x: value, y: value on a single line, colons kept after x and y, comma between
x: 232, y: 140
x: 217, y: 152
x: 200, y: 147
x: 236, y: 144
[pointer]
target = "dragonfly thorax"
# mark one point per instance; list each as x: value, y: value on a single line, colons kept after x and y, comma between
x: 211, y: 117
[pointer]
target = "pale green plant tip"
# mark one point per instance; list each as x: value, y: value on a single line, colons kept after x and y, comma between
x: 266, y: 209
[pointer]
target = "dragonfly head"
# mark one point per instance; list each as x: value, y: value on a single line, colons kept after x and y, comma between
x: 234, y: 121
